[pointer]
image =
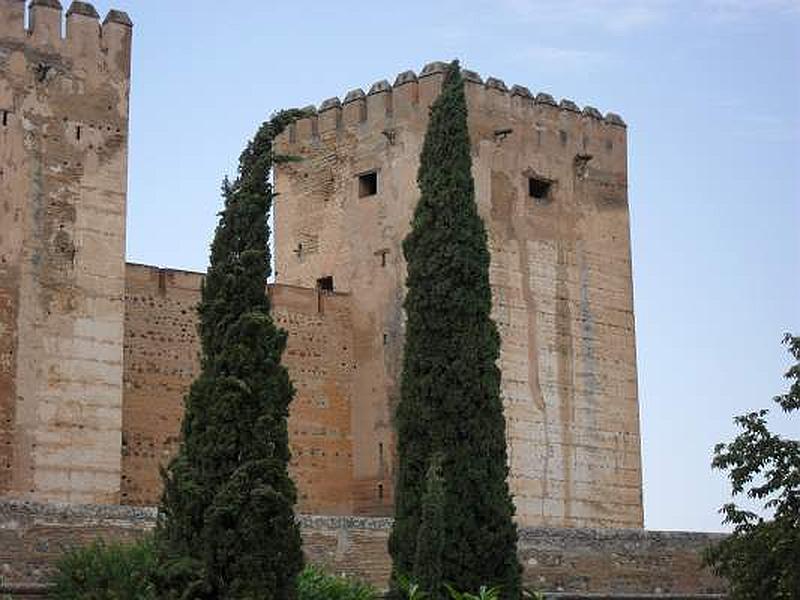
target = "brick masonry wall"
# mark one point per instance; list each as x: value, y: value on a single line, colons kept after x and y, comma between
x: 161, y: 360
x: 33, y: 536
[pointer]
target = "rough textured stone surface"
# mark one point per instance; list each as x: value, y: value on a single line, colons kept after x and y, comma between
x: 161, y: 360
x: 63, y: 173
x: 32, y: 536
x: 561, y: 277
x: 95, y: 357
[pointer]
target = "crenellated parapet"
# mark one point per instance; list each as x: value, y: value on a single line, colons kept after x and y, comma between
x: 83, y: 39
x: 64, y: 115
x: 411, y: 95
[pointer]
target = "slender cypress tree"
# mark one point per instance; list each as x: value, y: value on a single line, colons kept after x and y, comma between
x: 450, y: 401
x: 226, y: 526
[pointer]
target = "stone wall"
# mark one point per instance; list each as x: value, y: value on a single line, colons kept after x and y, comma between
x: 96, y: 356
x: 63, y: 183
x: 160, y: 362
x: 560, y: 274
x: 565, y: 560
x: 162, y: 359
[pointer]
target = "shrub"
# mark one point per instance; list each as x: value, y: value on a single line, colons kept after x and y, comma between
x: 107, y: 571
x: 314, y: 584
x: 484, y: 593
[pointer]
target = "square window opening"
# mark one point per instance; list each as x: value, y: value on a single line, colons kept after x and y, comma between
x: 539, y: 189
x: 325, y: 284
x: 368, y: 184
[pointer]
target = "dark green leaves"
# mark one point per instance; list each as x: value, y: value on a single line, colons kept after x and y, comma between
x: 227, y: 526
x: 761, y: 559
x: 450, y: 404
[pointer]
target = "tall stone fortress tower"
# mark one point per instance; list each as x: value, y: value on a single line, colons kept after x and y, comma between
x: 63, y: 180
x: 551, y: 184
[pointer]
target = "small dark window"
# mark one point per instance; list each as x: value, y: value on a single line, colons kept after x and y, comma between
x: 5, y: 118
x: 368, y: 184
x: 380, y: 491
x: 325, y: 284
x: 539, y: 188
x: 78, y: 132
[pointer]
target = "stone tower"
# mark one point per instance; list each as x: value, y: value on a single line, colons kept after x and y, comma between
x: 63, y: 181
x: 551, y: 184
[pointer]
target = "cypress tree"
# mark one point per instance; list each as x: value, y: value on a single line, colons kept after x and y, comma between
x: 226, y: 526
x: 450, y: 391
x: 430, y: 538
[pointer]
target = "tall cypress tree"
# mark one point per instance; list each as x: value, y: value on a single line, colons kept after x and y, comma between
x: 226, y: 526
x: 450, y: 399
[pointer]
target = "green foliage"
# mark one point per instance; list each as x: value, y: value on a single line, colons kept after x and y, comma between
x: 408, y: 589
x: 107, y: 571
x: 530, y: 594
x: 450, y: 400
x: 315, y: 584
x: 226, y: 526
x: 431, y: 537
x: 761, y: 559
x: 484, y: 593
x: 413, y: 591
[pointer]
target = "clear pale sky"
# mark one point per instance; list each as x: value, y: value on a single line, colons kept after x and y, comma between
x: 710, y: 90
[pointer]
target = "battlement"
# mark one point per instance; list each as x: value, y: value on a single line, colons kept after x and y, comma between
x: 90, y: 44
x: 411, y: 95
x: 64, y: 105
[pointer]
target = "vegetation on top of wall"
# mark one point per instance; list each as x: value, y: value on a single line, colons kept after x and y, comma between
x: 450, y: 403
x: 761, y: 558
x: 107, y: 571
x: 227, y: 527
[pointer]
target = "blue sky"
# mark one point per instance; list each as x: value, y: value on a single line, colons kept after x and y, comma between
x: 711, y: 92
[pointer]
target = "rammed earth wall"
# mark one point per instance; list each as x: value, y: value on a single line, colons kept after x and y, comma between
x: 600, y: 561
x: 162, y: 358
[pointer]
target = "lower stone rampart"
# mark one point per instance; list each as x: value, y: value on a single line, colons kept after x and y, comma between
x: 570, y: 563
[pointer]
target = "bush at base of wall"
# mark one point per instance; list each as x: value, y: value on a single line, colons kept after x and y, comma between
x: 315, y: 584
x: 115, y: 571
x: 107, y: 571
